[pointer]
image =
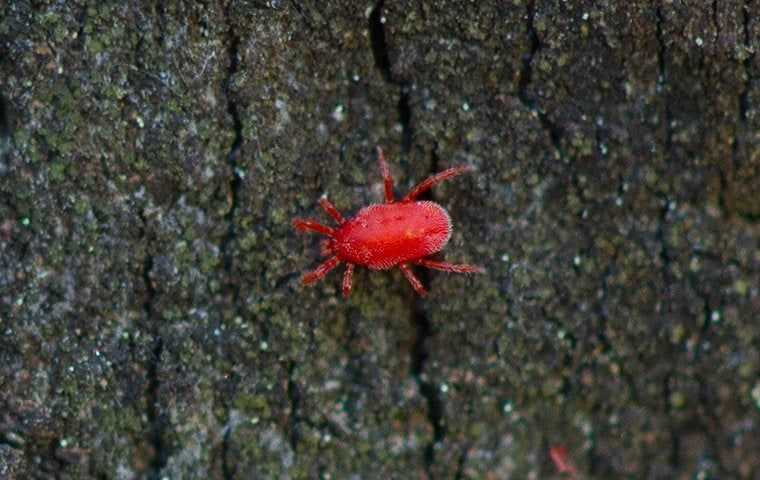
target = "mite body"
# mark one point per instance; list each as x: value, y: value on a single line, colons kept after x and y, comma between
x: 387, y: 235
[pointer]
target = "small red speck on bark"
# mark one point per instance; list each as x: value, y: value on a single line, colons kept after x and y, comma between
x: 559, y: 457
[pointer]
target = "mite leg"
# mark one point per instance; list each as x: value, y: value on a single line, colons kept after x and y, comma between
x: 320, y: 272
x: 303, y: 225
x: 387, y: 179
x: 348, y: 275
x: 449, y: 267
x: 416, y: 284
x: 434, y: 180
x: 330, y: 209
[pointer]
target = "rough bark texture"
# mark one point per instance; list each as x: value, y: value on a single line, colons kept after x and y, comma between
x: 152, y: 324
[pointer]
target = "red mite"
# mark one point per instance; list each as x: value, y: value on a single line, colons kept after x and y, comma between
x: 384, y: 235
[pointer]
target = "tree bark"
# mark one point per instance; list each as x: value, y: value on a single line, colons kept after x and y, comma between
x: 153, y: 154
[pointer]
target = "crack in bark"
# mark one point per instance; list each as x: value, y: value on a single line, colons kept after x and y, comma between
x: 233, y: 191
x: 708, y: 420
x: 675, y: 438
x: 706, y: 316
x: 160, y: 9
x: 727, y: 174
x: 708, y: 408
x: 383, y: 64
x: 660, y: 234
x: 526, y: 77
x: 228, y: 472
x: 82, y: 21
x: 294, y: 419
x: 233, y: 52
x: 554, y: 131
x: 419, y: 356
x: 715, y: 21
x: 160, y: 455
x: 461, y: 462
x: 666, y: 260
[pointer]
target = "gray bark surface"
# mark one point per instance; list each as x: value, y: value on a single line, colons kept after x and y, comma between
x: 153, y: 154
